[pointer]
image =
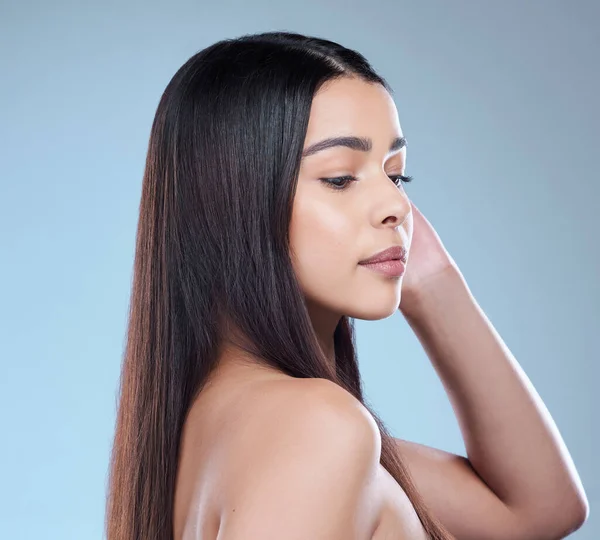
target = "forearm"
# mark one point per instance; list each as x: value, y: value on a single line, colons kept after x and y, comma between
x: 511, y: 440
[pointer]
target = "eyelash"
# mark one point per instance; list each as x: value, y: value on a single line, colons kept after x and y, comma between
x: 396, y: 178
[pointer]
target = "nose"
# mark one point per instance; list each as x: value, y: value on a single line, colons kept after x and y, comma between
x: 391, y: 205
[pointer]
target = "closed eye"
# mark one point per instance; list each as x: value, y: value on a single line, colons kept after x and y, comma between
x: 331, y: 182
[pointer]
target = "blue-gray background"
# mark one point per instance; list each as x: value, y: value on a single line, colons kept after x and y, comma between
x: 499, y: 102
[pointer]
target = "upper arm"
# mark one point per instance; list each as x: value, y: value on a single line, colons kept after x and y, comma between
x: 456, y: 495
x: 305, y: 471
x: 462, y: 501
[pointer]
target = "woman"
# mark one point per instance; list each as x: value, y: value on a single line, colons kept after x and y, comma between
x: 241, y: 410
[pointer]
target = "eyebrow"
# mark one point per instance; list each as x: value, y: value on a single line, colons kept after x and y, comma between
x: 362, y: 144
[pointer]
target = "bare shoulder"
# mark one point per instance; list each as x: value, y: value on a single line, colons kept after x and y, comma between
x: 303, y: 462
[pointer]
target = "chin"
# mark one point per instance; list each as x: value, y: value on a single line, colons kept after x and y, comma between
x: 375, y: 311
x: 375, y: 303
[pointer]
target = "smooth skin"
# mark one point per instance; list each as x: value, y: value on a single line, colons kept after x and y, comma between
x: 307, y: 465
x: 313, y: 468
x: 333, y: 229
x: 298, y: 459
x: 318, y: 476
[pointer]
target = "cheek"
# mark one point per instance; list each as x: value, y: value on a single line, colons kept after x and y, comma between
x: 323, y: 241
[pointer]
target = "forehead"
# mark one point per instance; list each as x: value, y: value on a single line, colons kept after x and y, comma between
x: 350, y: 106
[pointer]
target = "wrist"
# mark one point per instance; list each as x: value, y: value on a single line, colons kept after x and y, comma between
x: 431, y: 291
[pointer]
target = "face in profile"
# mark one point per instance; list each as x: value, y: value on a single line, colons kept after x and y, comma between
x: 337, y: 223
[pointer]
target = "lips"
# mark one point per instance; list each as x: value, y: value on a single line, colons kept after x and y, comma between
x: 389, y: 254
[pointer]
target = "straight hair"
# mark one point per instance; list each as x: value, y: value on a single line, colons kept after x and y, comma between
x: 212, y: 248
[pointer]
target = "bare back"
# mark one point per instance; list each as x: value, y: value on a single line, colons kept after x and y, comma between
x: 235, y: 400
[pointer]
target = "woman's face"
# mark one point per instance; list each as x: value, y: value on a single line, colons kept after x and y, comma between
x: 333, y: 228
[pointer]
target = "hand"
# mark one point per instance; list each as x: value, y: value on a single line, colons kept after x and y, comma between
x: 427, y: 259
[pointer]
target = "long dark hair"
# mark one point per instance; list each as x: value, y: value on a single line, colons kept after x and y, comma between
x: 212, y: 246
